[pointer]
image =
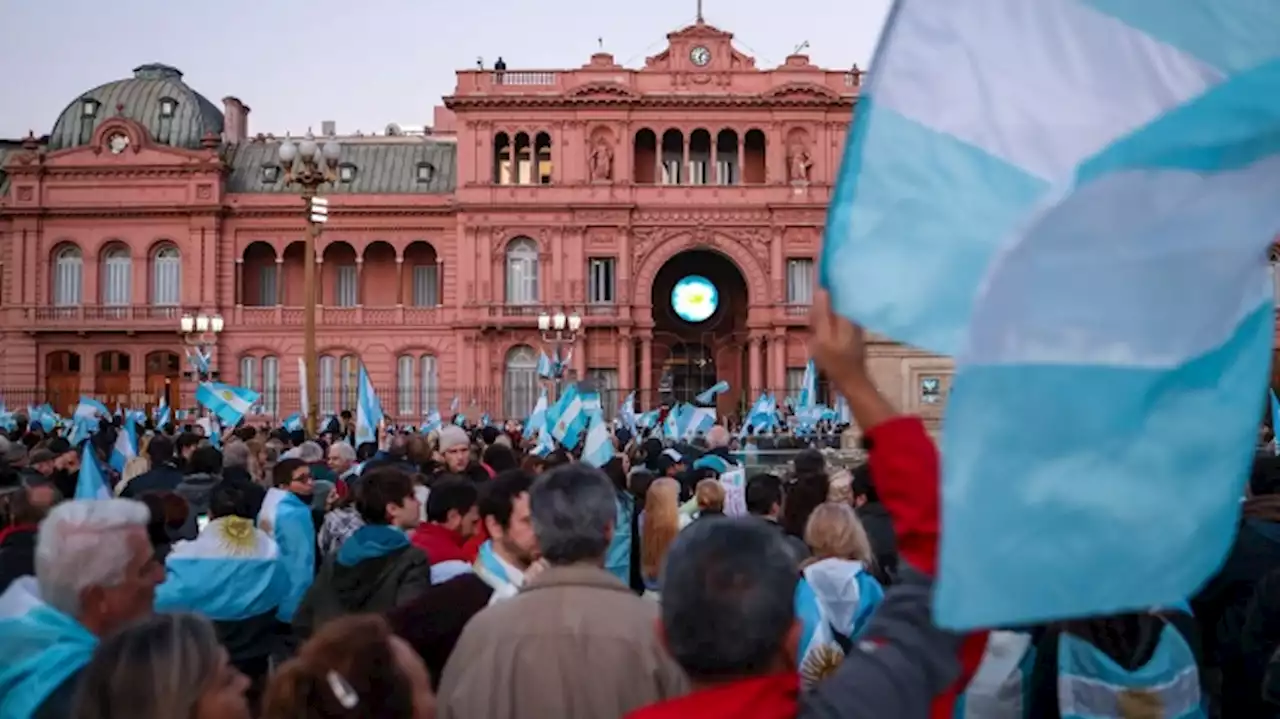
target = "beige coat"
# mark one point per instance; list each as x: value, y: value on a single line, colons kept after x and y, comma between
x: 574, y: 644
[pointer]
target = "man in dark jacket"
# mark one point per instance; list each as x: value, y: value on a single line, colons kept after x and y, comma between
x: 27, y: 506
x: 164, y: 475
x: 876, y: 520
x: 764, y: 500
x: 376, y: 569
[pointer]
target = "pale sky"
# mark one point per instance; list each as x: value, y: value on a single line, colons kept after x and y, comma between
x: 366, y: 63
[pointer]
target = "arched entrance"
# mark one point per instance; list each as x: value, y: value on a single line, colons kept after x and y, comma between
x: 62, y: 381
x: 163, y: 375
x: 700, y: 305
x: 111, y: 377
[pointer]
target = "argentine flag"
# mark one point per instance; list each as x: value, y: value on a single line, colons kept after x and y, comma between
x: 90, y: 408
x: 708, y: 396
x: 538, y: 417
x: 163, y: 415
x: 568, y: 418
x: 368, y: 410
x: 125, y: 447
x: 1074, y: 198
x: 90, y: 484
x: 230, y: 572
x: 40, y: 649
x: 598, y: 449
x: 229, y: 403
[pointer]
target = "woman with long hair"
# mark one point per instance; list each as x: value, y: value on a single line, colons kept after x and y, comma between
x: 838, y: 591
x: 659, y: 526
x: 167, y: 666
x: 353, y: 668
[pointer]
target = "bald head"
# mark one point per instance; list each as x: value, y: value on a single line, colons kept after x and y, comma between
x: 718, y: 437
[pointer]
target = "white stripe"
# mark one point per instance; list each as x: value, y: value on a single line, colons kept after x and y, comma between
x: 1012, y: 78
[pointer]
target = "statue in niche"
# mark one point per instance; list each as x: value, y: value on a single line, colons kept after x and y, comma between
x: 801, y: 163
x: 601, y: 161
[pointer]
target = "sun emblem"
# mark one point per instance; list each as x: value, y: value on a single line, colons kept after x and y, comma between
x: 226, y: 394
x: 819, y: 663
x: 236, y: 535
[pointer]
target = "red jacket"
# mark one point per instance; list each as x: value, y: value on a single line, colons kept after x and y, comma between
x: 775, y: 696
x: 440, y: 543
x: 904, y: 465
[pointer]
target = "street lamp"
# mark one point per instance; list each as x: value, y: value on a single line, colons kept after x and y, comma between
x: 200, y: 335
x: 559, y: 330
x: 309, y: 165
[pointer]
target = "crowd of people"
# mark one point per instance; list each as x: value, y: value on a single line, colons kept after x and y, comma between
x: 458, y: 575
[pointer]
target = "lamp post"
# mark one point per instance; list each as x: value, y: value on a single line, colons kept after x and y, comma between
x: 559, y: 330
x: 199, y: 337
x: 309, y: 166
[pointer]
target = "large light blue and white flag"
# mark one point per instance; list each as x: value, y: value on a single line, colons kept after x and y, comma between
x: 90, y: 408
x: 709, y: 395
x: 90, y: 484
x: 40, y: 649
x: 230, y: 572
x: 1075, y: 198
x: 368, y: 410
x: 229, y: 403
x: 627, y: 413
x: 125, y: 447
x: 538, y: 417
x: 163, y: 415
x: 598, y: 449
x: 568, y: 417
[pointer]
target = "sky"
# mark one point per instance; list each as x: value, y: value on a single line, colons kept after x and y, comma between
x: 368, y: 63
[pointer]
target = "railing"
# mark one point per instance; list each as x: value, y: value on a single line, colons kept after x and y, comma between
x: 118, y: 317
x: 531, y: 311
x: 524, y: 78
x: 336, y: 316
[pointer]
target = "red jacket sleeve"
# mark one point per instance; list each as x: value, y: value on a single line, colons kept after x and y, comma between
x: 905, y: 469
x: 471, y: 548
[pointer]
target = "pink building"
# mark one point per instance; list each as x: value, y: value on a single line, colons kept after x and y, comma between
x: 600, y: 191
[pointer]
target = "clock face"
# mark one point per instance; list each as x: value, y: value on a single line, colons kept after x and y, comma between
x: 700, y: 56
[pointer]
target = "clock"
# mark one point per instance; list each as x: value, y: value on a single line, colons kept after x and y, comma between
x: 700, y: 56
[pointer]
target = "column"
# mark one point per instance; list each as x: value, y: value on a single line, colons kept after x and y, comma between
x: 684, y: 158
x: 646, y: 366
x: 359, y: 282
x: 753, y: 366
x: 238, y: 290
x: 399, y: 284
x: 778, y: 361
x: 626, y: 353
x: 742, y: 158
x: 280, y: 281
x: 714, y: 171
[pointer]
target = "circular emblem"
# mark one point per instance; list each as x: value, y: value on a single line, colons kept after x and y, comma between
x: 117, y: 143
x: 695, y: 299
x: 700, y: 56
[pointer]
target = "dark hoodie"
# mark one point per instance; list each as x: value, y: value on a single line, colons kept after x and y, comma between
x: 195, y: 488
x: 375, y: 570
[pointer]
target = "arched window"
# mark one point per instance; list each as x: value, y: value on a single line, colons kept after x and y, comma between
x: 270, y: 385
x: 117, y: 277
x: 522, y: 272
x: 406, y: 385
x: 249, y: 373
x: 520, y: 390
x: 68, y: 275
x: 350, y: 378
x: 166, y: 277
x: 430, y: 384
x: 328, y: 371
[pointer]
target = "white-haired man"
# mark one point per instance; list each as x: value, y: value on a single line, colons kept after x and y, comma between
x: 95, y: 571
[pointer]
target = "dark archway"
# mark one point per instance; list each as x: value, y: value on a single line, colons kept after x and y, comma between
x: 690, y: 336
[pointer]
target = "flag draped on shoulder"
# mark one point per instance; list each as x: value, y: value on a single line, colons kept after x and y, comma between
x: 230, y: 572
x: 1074, y: 198
x: 40, y: 648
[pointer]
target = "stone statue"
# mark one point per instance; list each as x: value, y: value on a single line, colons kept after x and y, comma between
x: 601, y: 161
x: 801, y: 163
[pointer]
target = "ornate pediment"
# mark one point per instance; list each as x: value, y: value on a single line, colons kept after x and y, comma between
x: 603, y: 89
x: 700, y: 48
x: 801, y: 91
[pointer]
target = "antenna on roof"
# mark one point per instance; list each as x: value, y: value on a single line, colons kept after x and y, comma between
x: 699, y: 12
x: 802, y: 46
x: 600, y: 41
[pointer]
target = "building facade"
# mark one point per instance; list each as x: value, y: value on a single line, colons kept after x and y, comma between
x: 598, y: 191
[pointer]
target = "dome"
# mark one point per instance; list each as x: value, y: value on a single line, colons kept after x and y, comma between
x: 155, y: 97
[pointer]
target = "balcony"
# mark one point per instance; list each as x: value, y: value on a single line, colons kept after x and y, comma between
x: 526, y: 315
x: 96, y: 318
x: 279, y: 316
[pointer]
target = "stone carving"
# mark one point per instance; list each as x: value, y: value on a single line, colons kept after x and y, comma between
x: 800, y: 164
x: 601, y: 161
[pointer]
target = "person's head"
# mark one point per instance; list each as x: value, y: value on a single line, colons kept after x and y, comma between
x: 204, y: 459
x: 504, y: 509
x: 661, y: 524
x: 709, y: 494
x: 353, y: 668
x: 764, y: 495
x: 573, y: 513
x: 186, y: 444
x: 94, y: 562
x: 27, y: 506
x: 160, y: 450
x: 164, y: 666
x: 499, y: 457
x: 42, y: 461
x: 728, y: 592
x: 808, y: 491
x: 455, y: 447
x: 863, y: 489
x: 717, y: 437
x: 341, y: 457
x: 293, y: 475
x: 452, y: 505
x: 230, y: 499
x: 134, y: 467
x: 386, y: 497
x: 834, y: 532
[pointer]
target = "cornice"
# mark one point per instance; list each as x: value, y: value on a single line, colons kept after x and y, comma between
x: 113, y: 212
x: 465, y: 102
x: 124, y: 172
x: 346, y: 211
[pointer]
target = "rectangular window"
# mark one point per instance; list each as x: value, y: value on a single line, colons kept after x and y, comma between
x: 795, y: 382
x: 328, y: 394
x: 426, y: 288
x: 349, y: 383
x: 606, y: 381
x: 430, y: 385
x: 116, y: 282
x: 270, y: 385
x: 600, y: 281
x: 697, y: 172
x: 344, y: 294
x: 726, y: 173
x: 168, y: 279
x: 267, y: 296
x: 799, y: 282
x: 406, y: 385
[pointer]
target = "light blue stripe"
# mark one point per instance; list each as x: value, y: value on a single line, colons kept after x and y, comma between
x: 915, y: 220
x: 222, y: 589
x: 1074, y: 491
x: 1231, y: 35
x: 1230, y: 127
x: 807, y: 611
